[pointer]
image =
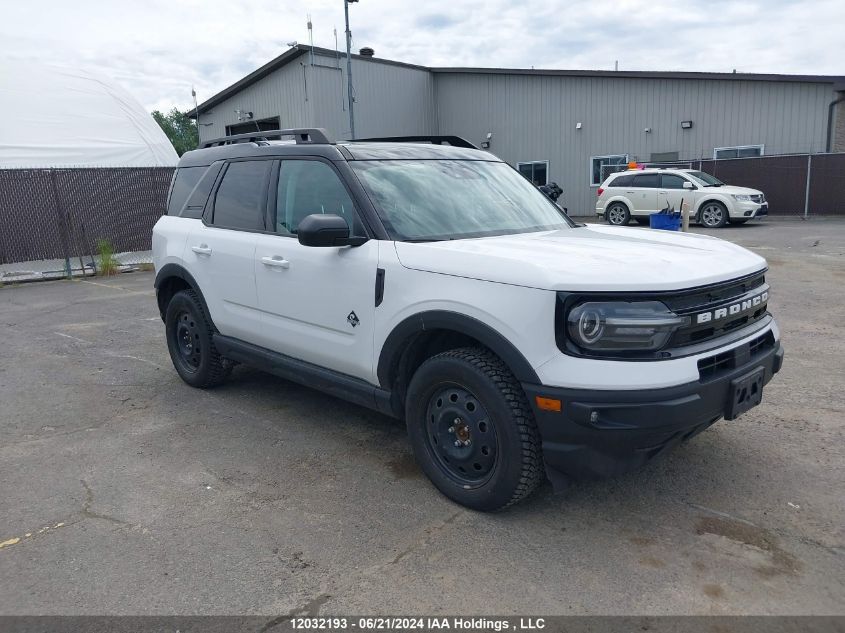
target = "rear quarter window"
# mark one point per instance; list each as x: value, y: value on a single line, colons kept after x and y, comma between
x: 184, y: 182
x: 621, y: 181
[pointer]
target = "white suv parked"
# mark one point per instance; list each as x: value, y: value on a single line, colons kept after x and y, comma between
x: 435, y: 284
x: 639, y: 193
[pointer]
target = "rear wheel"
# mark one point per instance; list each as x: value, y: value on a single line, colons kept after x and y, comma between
x: 190, y: 343
x: 617, y: 214
x: 713, y: 215
x: 472, y: 430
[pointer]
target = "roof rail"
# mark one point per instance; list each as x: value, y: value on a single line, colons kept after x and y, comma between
x: 455, y: 141
x: 303, y: 136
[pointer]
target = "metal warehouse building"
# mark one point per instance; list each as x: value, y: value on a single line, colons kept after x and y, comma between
x: 567, y: 126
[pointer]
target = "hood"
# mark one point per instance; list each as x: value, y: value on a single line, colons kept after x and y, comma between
x: 592, y: 258
x: 731, y: 189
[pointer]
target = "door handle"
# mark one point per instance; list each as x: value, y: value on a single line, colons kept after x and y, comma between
x: 202, y: 249
x: 663, y: 192
x: 276, y: 261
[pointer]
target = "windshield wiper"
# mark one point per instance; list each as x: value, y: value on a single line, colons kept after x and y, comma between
x: 421, y: 241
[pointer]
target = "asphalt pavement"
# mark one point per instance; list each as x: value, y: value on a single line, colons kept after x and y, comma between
x: 124, y: 491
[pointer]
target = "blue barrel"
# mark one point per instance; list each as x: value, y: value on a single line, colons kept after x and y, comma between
x: 664, y: 222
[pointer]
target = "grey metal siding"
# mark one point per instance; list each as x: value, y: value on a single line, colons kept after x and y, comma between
x: 390, y: 99
x: 282, y: 94
x: 533, y: 117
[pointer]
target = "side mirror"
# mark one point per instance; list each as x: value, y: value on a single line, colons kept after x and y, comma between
x: 324, y: 229
x: 688, y: 185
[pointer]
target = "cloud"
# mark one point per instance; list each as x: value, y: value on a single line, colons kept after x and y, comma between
x: 158, y: 49
x: 435, y: 21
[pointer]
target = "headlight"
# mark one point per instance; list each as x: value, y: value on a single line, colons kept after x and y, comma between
x: 618, y: 326
x: 742, y: 197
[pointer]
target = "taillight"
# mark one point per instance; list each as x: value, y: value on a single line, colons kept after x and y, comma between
x: 599, y: 191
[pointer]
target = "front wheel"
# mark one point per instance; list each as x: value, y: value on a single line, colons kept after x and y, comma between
x: 714, y: 215
x: 472, y: 430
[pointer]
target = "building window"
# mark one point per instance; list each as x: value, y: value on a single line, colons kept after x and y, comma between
x: 740, y: 151
x: 261, y: 125
x: 536, y: 171
x: 664, y: 157
x: 602, y: 166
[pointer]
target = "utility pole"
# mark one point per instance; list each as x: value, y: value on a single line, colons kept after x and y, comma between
x: 349, y: 68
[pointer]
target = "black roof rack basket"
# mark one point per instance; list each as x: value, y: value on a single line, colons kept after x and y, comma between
x: 303, y: 136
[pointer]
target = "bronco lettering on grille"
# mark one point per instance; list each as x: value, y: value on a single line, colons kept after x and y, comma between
x: 733, y: 309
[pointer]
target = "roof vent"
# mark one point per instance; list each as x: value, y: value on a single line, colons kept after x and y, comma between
x: 367, y: 52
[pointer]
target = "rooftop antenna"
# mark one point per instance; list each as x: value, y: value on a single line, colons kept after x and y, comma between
x: 336, y: 52
x: 196, y: 111
x: 337, y: 64
x: 311, y: 38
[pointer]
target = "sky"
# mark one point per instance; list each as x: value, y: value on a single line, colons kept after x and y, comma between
x: 159, y: 49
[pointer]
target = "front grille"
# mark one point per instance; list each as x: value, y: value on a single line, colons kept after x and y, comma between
x: 729, y: 298
x: 758, y: 197
x: 713, y: 366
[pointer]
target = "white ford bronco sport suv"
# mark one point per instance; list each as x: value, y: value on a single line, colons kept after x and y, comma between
x: 434, y: 283
x: 639, y: 193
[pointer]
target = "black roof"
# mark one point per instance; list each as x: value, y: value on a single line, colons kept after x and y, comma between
x: 350, y: 150
x: 837, y: 81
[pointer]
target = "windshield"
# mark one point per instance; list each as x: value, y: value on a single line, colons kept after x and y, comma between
x: 707, y: 179
x: 428, y: 200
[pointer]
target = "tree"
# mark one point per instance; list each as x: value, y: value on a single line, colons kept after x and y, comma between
x: 181, y: 130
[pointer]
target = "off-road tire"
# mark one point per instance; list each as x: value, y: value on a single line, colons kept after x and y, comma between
x: 186, y: 319
x: 617, y: 214
x: 507, y: 423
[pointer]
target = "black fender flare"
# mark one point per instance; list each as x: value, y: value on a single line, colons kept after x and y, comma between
x: 169, y: 271
x: 401, y: 335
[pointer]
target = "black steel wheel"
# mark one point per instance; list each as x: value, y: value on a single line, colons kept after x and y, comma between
x: 461, y: 435
x: 472, y: 430
x: 190, y: 343
x: 187, y: 341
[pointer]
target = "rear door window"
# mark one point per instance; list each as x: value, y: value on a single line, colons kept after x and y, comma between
x: 242, y: 196
x: 621, y: 181
x: 646, y: 180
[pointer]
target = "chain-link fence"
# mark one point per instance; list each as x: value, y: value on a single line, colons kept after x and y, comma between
x: 81, y: 221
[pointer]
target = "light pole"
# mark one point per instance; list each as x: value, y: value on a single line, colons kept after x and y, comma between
x: 349, y: 68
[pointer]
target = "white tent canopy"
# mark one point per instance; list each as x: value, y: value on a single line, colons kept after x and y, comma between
x: 59, y: 117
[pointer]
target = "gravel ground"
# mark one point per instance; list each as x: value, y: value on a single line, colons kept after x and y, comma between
x: 132, y: 493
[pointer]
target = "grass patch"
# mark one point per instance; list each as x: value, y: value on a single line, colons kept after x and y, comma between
x: 106, y: 263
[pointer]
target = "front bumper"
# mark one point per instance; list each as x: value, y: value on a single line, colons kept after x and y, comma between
x: 748, y: 210
x: 601, y: 433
